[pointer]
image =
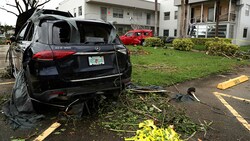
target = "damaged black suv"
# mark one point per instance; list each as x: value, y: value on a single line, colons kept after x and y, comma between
x: 64, y: 57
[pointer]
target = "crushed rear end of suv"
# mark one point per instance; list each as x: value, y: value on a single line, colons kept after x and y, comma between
x: 65, y: 58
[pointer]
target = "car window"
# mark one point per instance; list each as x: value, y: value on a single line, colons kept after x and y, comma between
x: 61, y: 33
x: 22, y: 32
x: 146, y: 33
x: 30, y: 32
x: 41, y: 33
x: 137, y: 34
x: 129, y: 34
x: 87, y: 33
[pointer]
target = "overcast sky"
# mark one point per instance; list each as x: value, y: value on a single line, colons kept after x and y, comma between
x: 10, y: 19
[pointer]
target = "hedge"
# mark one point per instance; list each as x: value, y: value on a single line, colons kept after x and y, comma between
x: 153, y: 42
x: 221, y: 48
x: 202, y: 41
x: 184, y: 44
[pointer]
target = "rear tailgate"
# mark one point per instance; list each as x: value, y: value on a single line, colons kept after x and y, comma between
x: 88, y: 63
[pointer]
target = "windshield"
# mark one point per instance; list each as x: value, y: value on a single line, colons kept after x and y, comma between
x: 82, y: 33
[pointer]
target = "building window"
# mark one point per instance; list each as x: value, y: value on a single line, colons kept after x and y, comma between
x: 166, y: 15
x: 166, y: 32
x: 148, y: 19
x: 175, y: 32
x: 80, y: 11
x: 117, y: 13
x: 175, y: 14
x: 210, y: 14
x: 247, y: 10
x: 74, y: 11
x: 245, y: 33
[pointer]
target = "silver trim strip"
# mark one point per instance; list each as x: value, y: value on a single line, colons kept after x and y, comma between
x: 94, y: 53
x: 102, y: 77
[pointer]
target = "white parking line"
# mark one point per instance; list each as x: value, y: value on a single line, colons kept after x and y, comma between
x: 233, y: 111
x: 235, y: 97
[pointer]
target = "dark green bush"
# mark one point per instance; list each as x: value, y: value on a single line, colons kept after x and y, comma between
x: 221, y: 48
x: 202, y: 41
x: 184, y: 44
x: 153, y: 42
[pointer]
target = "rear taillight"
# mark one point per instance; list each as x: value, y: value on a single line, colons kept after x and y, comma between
x: 52, y: 55
x: 123, y: 51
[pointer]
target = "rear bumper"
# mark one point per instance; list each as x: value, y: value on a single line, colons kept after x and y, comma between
x: 68, y: 91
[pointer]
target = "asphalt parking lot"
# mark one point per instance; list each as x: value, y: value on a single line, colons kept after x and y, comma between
x: 231, y: 120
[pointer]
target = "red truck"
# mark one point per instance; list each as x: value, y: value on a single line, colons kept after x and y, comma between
x: 136, y: 37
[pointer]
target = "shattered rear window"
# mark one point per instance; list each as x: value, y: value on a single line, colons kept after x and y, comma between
x: 81, y: 32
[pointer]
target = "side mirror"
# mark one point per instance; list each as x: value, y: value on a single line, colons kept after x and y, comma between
x: 12, y: 38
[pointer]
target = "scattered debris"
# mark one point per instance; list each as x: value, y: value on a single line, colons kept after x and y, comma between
x: 139, y: 51
x: 133, y: 108
x: 191, y: 92
x: 149, y: 89
x: 19, y: 109
x: 190, y: 96
x: 48, y: 131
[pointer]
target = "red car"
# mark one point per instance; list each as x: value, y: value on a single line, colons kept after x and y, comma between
x: 136, y: 37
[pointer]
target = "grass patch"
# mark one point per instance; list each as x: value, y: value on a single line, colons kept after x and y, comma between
x: 245, y: 48
x: 165, y: 66
x: 199, y: 47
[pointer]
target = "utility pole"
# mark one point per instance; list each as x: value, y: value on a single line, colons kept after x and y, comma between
x: 156, y: 17
x: 217, y: 17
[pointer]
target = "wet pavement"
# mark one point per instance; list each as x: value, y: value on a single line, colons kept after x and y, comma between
x: 230, y: 115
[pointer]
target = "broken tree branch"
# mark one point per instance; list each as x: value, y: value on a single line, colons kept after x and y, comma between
x: 42, y: 3
x: 8, y: 11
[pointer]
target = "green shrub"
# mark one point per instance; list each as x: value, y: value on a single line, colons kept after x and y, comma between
x: 153, y: 42
x: 184, y: 44
x: 202, y: 41
x: 221, y: 48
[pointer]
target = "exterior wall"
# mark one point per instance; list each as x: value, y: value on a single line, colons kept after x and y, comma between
x: 91, y: 9
x: 142, y: 4
x: 243, y: 22
x: 70, y: 5
x: 171, y: 25
x: 178, y: 2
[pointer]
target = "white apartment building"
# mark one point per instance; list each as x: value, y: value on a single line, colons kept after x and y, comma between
x: 125, y: 14
x: 234, y: 19
x: 168, y: 18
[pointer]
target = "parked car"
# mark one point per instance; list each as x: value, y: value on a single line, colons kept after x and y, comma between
x: 165, y: 39
x: 136, y: 37
x: 65, y: 58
